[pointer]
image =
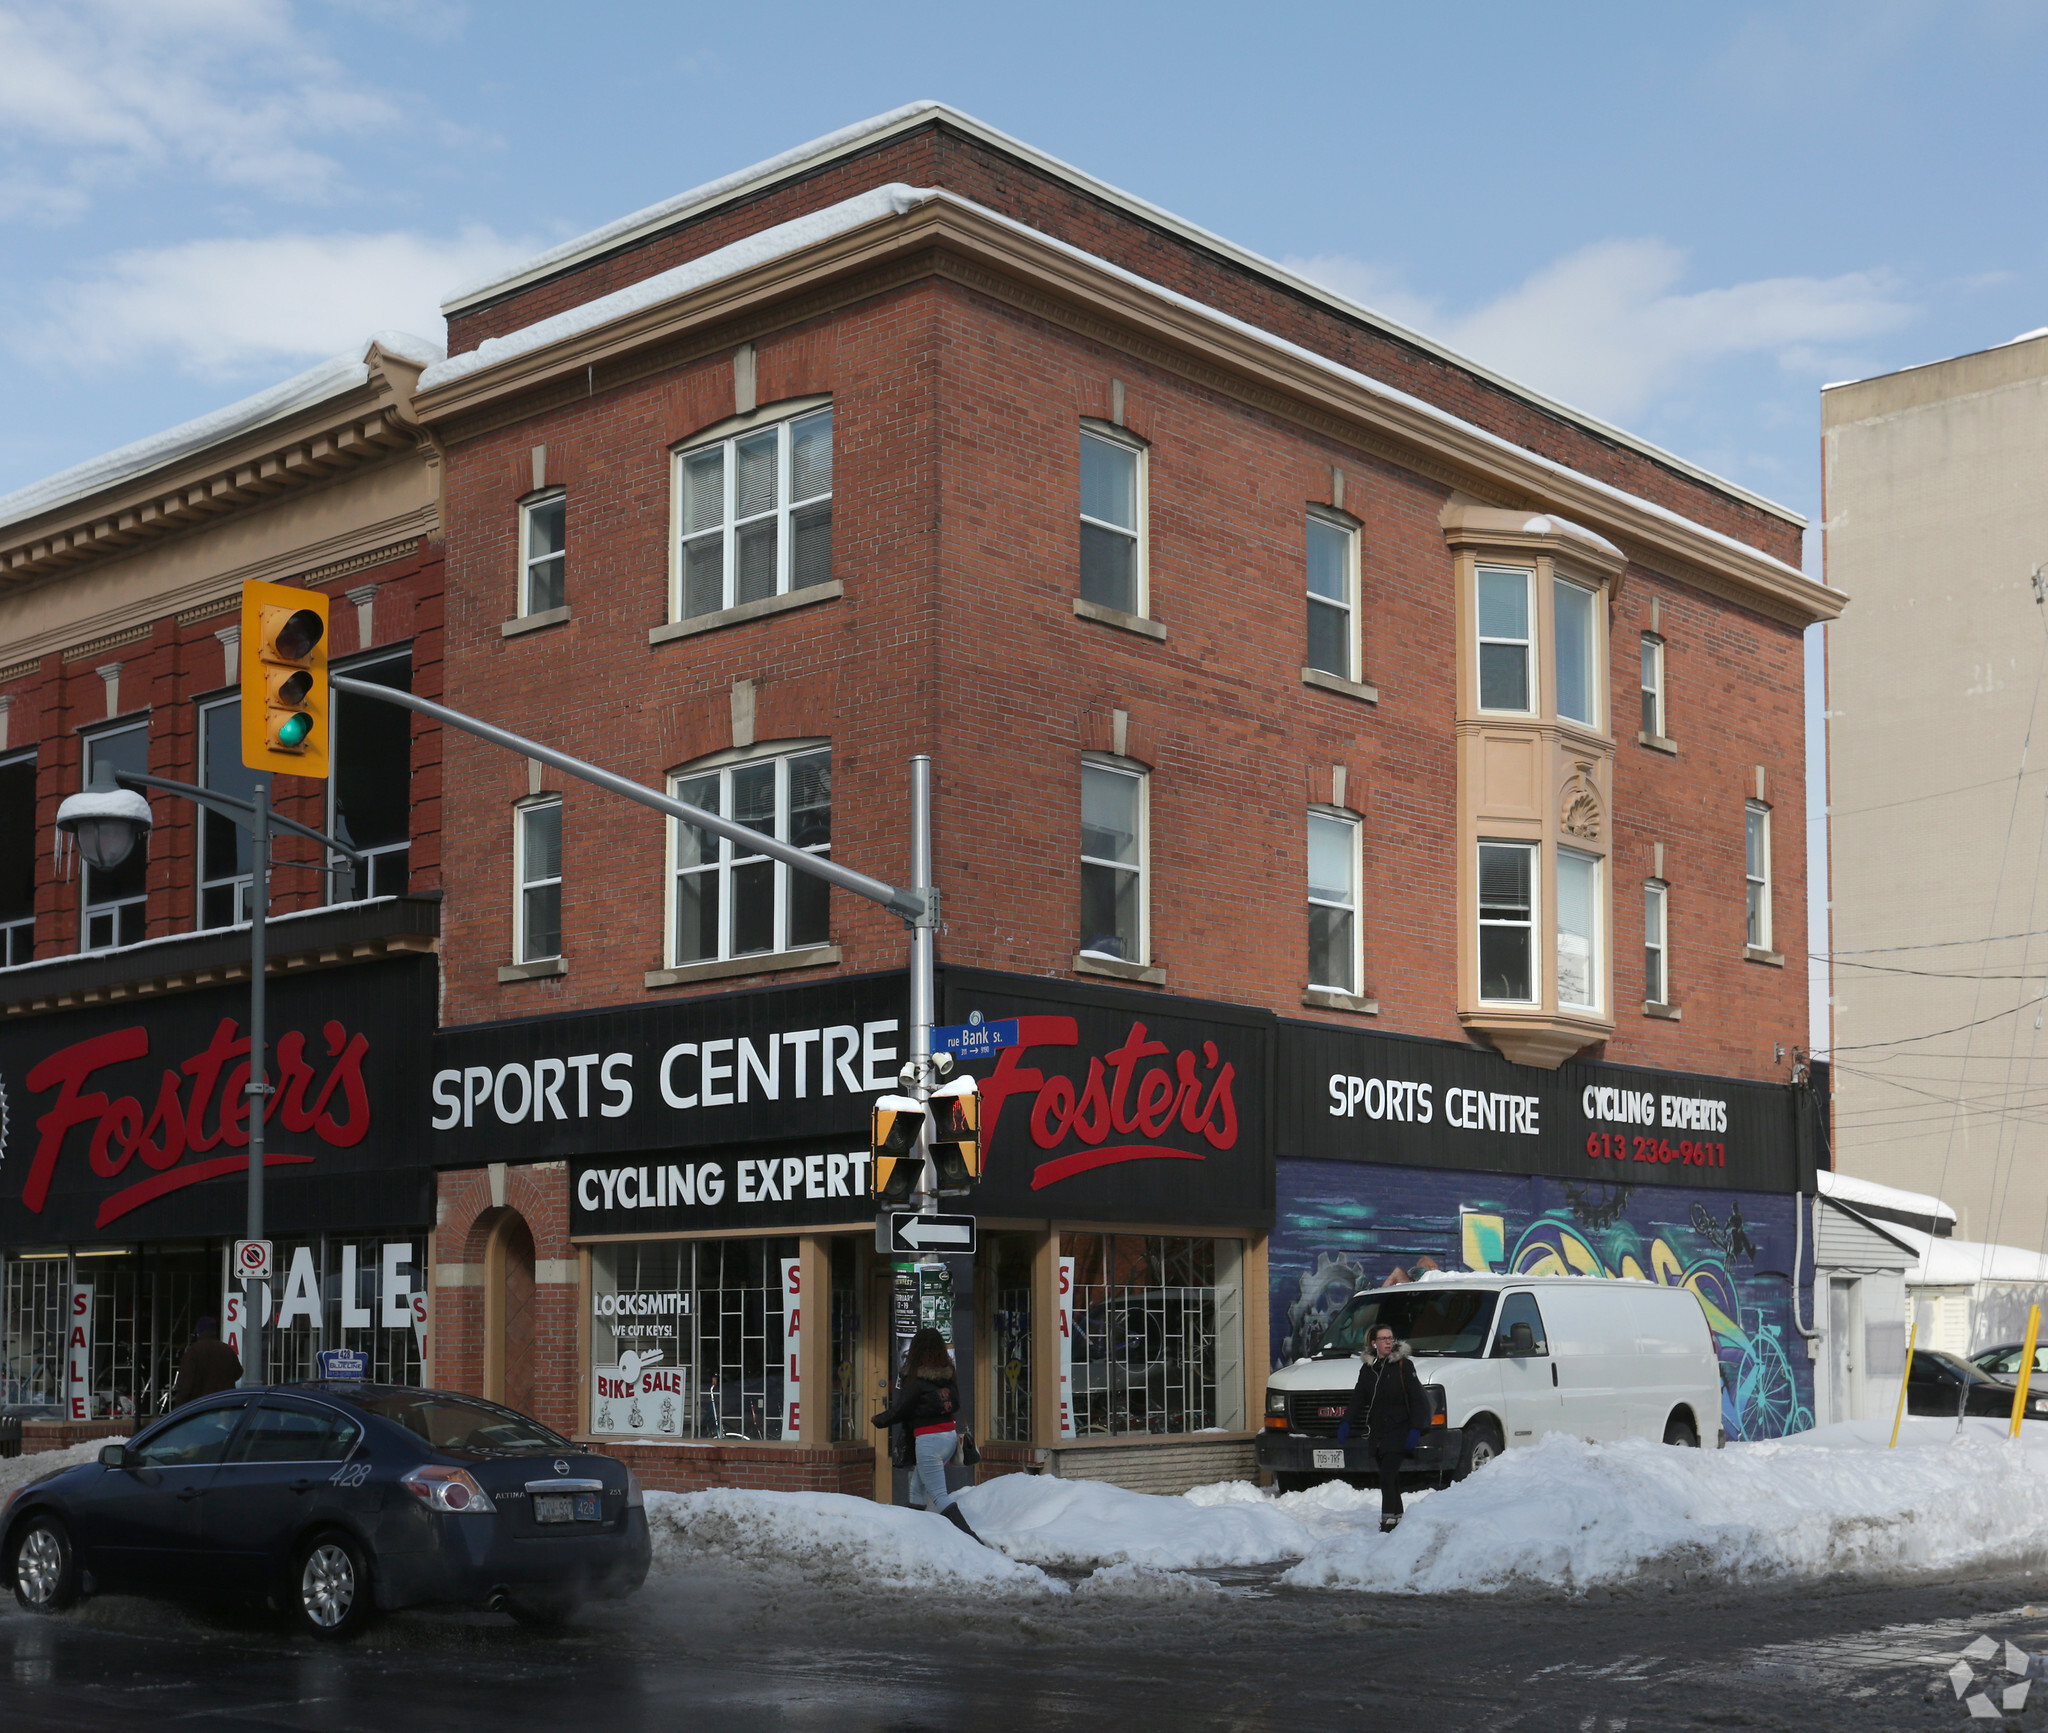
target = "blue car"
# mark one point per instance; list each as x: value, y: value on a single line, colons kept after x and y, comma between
x: 334, y: 1502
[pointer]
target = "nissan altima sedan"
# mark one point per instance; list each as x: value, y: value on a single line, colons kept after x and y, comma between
x: 334, y: 1502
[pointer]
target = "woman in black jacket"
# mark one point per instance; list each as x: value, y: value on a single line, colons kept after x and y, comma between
x: 1390, y: 1400
x: 928, y: 1402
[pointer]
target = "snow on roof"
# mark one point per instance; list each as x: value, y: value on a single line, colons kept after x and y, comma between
x: 1852, y: 1190
x: 1550, y: 524
x: 895, y: 199
x: 751, y: 250
x: 318, y: 383
x: 645, y: 221
x: 1959, y: 1263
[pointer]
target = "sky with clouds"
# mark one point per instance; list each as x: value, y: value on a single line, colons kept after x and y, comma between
x: 1683, y: 218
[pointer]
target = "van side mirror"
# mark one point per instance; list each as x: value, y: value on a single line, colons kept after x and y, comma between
x: 1521, y: 1339
x: 113, y: 1456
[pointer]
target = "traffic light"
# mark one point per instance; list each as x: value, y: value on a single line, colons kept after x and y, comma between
x: 956, y: 1135
x: 285, y: 700
x: 898, y: 1162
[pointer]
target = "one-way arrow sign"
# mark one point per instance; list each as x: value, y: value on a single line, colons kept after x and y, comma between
x: 921, y: 1233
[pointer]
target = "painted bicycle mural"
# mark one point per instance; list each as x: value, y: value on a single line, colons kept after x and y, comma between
x: 1343, y: 1227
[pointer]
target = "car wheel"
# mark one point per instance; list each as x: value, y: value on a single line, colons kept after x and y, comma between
x: 543, y: 1612
x: 1679, y: 1430
x: 330, y: 1594
x: 1481, y: 1444
x: 45, y: 1565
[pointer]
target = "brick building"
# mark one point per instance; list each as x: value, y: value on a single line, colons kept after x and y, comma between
x: 1356, y: 780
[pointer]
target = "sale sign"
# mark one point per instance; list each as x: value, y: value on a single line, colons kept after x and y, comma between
x: 792, y: 1346
x: 78, y: 1355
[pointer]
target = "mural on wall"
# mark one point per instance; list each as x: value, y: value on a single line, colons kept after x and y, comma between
x: 1342, y: 1227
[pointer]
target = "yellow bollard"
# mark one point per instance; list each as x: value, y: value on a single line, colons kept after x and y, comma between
x: 1901, y: 1415
x: 2019, y: 1396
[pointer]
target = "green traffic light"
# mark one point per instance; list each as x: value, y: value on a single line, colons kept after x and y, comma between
x: 292, y: 731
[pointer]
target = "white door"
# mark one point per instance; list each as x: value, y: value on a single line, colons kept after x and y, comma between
x: 1845, y: 1358
x: 1529, y: 1400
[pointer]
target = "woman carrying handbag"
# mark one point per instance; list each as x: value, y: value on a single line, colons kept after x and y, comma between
x: 928, y: 1404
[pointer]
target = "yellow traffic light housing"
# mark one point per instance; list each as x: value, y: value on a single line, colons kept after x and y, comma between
x: 285, y: 698
x: 898, y: 1162
x: 956, y: 1136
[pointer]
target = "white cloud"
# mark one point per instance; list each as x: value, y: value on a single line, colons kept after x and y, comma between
x: 224, y: 308
x: 93, y: 91
x: 1607, y: 330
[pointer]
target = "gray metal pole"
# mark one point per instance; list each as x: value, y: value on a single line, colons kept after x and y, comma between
x: 923, y: 948
x: 258, y: 1093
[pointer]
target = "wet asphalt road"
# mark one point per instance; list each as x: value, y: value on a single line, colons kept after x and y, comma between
x: 717, y: 1650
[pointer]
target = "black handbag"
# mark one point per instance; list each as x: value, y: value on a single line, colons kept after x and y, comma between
x: 969, y: 1454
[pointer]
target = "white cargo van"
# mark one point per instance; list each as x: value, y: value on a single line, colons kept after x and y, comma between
x: 1505, y: 1359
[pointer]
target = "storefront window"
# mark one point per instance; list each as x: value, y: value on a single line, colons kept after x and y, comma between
x: 1010, y: 1338
x: 688, y: 1338
x: 849, y: 1424
x: 32, y: 1331
x: 1146, y: 1309
x: 329, y: 1293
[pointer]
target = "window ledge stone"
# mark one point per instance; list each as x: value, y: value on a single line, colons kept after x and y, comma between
x: 1087, y: 610
x: 829, y: 591
x: 1774, y: 959
x: 1324, y: 999
x: 539, y: 970
x: 765, y: 963
x: 1325, y: 682
x: 1657, y: 743
x: 1669, y: 1013
x: 534, y: 622
x: 1087, y: 963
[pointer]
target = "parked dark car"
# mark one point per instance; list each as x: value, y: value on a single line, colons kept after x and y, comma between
x: 2004, y: 1362
x: 1946, y: 1384
x: 334, y: 1502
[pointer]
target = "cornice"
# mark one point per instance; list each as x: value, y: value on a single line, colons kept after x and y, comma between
x: 983, y: 252
x: 355, y: 429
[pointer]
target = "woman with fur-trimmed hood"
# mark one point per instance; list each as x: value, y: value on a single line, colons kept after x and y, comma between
x: 1390, y: 1402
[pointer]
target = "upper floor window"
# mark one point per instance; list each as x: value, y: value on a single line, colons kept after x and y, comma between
x: 1579, y: 909
x: 115, y: 902
x: 728, y: 902
x: 543, y: 553
x: 1333, y: 875
x: 1112, y: 522
x: 1507, y: 922
x: 537, y: 870
x: 227, y: 853
x: 1653, y: 687
x: 1575, y: 619
x: 1656, y: 945
x: 1332, y: 597
x: 1506, y: 644
x: 17, y: 859
x: 1113, y: 911
x: 1757, y: 871
x: 754, y: 515
x: 369, y: 789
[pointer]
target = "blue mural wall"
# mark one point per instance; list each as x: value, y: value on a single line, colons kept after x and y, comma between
x: 1342, y: 1226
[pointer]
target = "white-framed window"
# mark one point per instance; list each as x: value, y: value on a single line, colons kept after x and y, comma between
x: 1332, y: 596
x: 115, y: 903
x: 1578, y: 930
x: 727, y: 902
x: 753, y: 515
x: 17, y: 858
x: 1333, y: 895
x: 1575, y: 621
x: 369, y: 784
x: 1653, y: 687
x: 227, y: 853
x: 1656, y: 944
x: 1112, y: 522
x: 1757, y: 871
x: 1113, y: 849
x: 537, y: 878
x: 1507, y: 922
x: 544, y: 552
x: 1507, y: 650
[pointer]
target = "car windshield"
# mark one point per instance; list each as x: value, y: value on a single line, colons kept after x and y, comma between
x: 1430, y: 1319
x: 459, y: 1424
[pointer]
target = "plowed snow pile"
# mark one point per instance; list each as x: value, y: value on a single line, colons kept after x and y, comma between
x: 20, y: 1470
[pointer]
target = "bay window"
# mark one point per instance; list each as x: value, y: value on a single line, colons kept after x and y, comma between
x: 1507, y: 922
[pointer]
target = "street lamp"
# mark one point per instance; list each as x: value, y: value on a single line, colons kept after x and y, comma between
x: 106, y: 821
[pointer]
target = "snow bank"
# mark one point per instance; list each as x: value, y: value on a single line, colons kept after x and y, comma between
x: 18, y: 1471
x: 1085, y: 1522
x: 832, y: 1539
x: 1566, y: 1514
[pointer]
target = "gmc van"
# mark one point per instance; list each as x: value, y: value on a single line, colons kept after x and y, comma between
x: 1504, y: 1359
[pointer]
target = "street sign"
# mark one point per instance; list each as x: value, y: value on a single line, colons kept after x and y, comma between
x: 922, y: 1233
x: 975, y: 1040
x: 343, y: 1365
x: 252, y: 1260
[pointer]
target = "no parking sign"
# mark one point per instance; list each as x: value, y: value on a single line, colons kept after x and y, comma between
x: 252, y: 1260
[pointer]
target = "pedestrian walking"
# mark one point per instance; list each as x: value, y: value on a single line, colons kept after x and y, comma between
x: 928, y: 1403
x: 207, y: 1367
x: 1390, y: 1402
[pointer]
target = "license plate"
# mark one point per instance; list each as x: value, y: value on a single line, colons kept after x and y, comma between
x: 568, y: 1507
x: 1326, y: 1458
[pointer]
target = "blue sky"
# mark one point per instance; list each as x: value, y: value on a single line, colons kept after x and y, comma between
x: 1682, y: 217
